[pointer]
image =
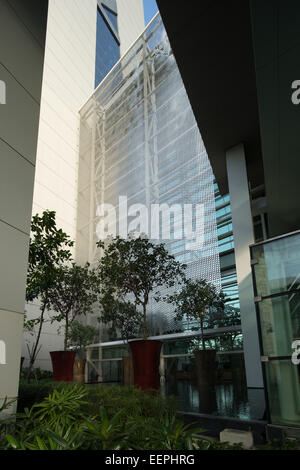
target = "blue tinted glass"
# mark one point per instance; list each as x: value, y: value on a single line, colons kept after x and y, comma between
x: 112, y: 17
x: 107, y: 50
x: 226, y: 244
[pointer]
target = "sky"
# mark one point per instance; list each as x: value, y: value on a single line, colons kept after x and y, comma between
x: 150, y: 8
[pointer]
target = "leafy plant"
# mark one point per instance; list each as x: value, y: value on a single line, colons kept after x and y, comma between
x: 61, y: 439
x: 61, y: 408
x: 80, y: 336
x: 73, y: 293
x: 48, y: 250
x: 175, y: 435
x: 108, y: 432
x: 195, y: 301
x: 129, y: 271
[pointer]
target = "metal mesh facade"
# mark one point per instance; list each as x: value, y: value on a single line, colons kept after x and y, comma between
x: 139, y: 139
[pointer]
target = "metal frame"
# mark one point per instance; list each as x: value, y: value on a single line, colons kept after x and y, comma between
x: 100, y: 361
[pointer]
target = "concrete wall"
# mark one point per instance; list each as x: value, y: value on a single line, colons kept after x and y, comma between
x: 131, y: 22
x: 69, y: 74
x: 22, y: 34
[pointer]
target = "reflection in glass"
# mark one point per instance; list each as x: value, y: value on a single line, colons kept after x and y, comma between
x: 228, y: 397
x: 278, y: 265
x: 107, y: 48
x: 277, y: 273
x: 283, y: 392
x: 280, y: 323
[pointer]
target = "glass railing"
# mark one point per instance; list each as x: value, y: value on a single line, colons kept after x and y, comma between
x: 276, y: 275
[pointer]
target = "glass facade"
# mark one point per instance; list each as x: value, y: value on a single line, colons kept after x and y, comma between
x: 276, y: 274
x: 107, y: 46
x: 139, y: 139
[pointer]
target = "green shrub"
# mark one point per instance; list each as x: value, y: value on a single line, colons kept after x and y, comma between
x: 287, y: 444
x: 99, y: 418
x: 36, y: 374
x: 35, y: 392
x: 134, y: 401
x: 71, y: 417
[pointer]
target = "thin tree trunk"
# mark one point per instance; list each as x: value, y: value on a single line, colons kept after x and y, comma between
x: 34, y: 351
x: 66, y: 333
x: 202, y: 334
x: 144, y: 322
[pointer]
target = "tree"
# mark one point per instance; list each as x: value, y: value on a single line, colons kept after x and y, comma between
x: 73, y: 293
x: 80, y: 336
x: 195, y: 301
x: 48, y: 250
x: 129, y: 271
x: 121, y: 314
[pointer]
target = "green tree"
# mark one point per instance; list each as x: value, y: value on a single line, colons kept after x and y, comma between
x: 129, y: 271
x: 48, y: 250
x: 196, y: 300
x: 80, y: 336
x: 73, y: 293
x: 120, y: 314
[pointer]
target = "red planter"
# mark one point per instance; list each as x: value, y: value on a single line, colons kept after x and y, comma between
x: 62, y: 364
x: 145, y: 358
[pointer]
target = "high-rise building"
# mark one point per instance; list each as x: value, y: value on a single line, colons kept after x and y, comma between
x: 83, y: 42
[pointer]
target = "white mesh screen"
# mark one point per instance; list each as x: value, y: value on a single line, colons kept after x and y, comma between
x: 139, y: 139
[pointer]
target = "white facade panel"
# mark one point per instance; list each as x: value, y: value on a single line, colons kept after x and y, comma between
x: 68, y: 81
x: 22, y: 53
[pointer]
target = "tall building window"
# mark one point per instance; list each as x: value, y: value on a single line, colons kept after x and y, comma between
x: 107, y: 43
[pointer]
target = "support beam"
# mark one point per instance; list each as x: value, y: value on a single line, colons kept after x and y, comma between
x: 243, y: 237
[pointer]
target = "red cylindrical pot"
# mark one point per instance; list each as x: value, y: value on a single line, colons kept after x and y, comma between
x: 145, y: 358
x: 62, y: 364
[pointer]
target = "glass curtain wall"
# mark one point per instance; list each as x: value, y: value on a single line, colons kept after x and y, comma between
x: 107, y: 43
x: 276, y: 272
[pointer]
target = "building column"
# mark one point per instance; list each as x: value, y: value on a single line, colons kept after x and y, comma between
x: 243, y: 237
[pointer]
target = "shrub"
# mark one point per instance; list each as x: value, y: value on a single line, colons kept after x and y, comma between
x: 34, y: 392
x: 134, y: 401
x: 99, y: 418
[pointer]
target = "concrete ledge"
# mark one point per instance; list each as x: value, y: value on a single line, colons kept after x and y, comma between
x: 213, y: 425
x: 237, y: 436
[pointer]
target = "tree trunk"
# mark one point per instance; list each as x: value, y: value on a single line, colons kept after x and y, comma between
x: 34, y: 351
x: 202, y: 334
x: 66, y: 332
x: 144, y: 322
